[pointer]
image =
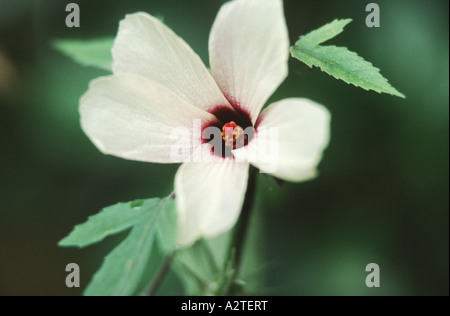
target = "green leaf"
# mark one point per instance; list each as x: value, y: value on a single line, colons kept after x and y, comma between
x: 94, y: 53
x: 123, y: 269
x: 339, y: 62
x: 111, y: 220
x: 324, y: 33
x: 153, y: 268
x: 167, y: 221
x: 197, y: 268
x: 201, y: 267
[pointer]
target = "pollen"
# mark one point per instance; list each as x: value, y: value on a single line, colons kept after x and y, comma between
x: 234, y: 135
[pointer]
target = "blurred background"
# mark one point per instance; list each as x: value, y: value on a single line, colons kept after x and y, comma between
x: 382, y: 195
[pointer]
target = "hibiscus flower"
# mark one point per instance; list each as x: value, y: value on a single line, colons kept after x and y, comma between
x: 160, y: 84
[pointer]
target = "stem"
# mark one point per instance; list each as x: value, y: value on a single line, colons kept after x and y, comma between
x: 161, y: 274
x: 237, y: 243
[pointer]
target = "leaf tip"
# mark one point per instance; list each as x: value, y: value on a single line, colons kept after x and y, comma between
x: 65, y: 242
x: 347, y: 21
x: 399, y: 94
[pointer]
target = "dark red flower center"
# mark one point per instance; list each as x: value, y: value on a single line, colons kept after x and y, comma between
x: 233, y: 129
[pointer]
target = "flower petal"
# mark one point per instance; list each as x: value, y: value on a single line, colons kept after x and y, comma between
x: 209, y: 198
x: 249, y: 51
x: 290, y: 139
x: 134, y: 118
x: 145, y: 46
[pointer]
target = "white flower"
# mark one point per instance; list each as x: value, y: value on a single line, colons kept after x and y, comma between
x: 160, y: 83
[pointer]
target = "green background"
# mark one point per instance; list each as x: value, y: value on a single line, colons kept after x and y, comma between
x: 382, y: 195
